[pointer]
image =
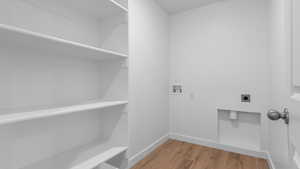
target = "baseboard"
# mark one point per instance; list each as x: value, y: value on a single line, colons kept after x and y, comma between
x: 213, y: 144
x: 270, y: 161
x: 142, y: 154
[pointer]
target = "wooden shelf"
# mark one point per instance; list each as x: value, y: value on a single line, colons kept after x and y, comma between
x: 84, y: 157
x: 13, y: 37
x: 24, y: 116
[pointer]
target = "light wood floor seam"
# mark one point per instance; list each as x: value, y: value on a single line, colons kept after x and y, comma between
x: 181, y: 155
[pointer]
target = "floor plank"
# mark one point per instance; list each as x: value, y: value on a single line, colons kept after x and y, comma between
x: 181, y: 155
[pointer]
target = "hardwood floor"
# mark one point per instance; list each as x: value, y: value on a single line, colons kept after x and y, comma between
x: 180, y: 155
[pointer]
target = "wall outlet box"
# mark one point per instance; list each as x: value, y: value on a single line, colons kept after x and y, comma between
x: 177, y: 89
x: 246, y: 98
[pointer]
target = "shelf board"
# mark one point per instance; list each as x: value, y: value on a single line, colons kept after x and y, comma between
x: 101, y: 158
x: 17, y: 37
x: 24, y: 116
x: 119, y: 5
x: 84, y: 157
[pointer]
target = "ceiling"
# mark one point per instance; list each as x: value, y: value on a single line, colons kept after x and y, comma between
x: 174, y: 6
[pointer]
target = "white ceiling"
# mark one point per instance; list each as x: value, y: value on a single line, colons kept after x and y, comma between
x: 174, y: 6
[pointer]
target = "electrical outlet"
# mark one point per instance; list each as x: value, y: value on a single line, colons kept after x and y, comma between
x: 246, y: 98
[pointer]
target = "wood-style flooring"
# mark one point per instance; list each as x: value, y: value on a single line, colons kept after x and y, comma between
x: 181, y: 155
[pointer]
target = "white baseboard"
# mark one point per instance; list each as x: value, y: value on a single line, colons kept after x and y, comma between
x: 213, y: 144
x: 270, y: 161
x: 142, y: 154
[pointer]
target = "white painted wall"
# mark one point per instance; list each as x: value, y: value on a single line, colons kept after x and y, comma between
x: 296, y: 40
x: 175, y: 6
x: 148, y: 74
x: 218, y: 52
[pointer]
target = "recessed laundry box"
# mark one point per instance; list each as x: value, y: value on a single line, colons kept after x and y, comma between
x: 240, y: 129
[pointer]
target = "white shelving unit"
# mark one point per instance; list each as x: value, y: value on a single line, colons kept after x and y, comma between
x: 24, y: 116
x: 58, y: 53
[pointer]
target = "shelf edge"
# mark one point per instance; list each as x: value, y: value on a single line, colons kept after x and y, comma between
x: 119, y: 5
x: 101, y: 158
x: 25, y: 116
x: 59, y: 40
